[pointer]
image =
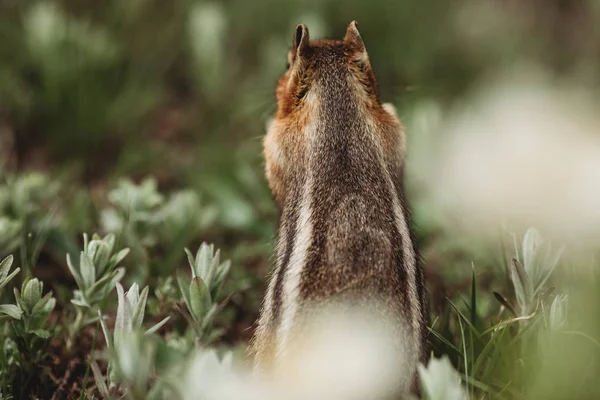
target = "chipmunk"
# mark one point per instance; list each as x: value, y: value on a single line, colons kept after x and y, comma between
x: 334, y: 162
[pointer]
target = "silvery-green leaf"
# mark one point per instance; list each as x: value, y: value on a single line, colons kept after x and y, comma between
x: 80, y: 303
x: 522, y: 285
x: 207, y: 318
x: 558, y: 312
x: 88, y: 271
x: 190, y: 257
x: 5, y: 265
x: 11, y: 310
x: 124, y: 313
x: 133, y: 295
x: 99, y: 253
x: 74, y: 272
x: 44, y: 334
x: 212, y: 269
x: 4, y: 268
x: 102, y: 291
x: 139, y: 308
x: 134, y: 355
x: 99, y: 379
x: 203, y: 259
x: 110, y: 239
x: 42, y: 305
x: 32, y: 293
x: 99, y: 284
x: 20, y: 301
x: 221, y: 274
x: 440, y: 381
x: 157, y: 326
x: 184, y: 288
x: 86, y: 240
x: 117, y: 258
x: 531, y: 241
x: 107, y: 336
x: 199, y: 298
x: 550, y: 264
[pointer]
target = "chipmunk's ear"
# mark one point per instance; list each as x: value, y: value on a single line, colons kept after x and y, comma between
x: 353, y: 36
x: 301, y: 39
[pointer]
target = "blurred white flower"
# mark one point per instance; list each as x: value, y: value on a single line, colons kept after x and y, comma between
x: 522, y: 151
x: 346, y: 354
x: 440, y: 381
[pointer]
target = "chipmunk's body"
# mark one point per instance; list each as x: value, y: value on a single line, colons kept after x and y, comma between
x: 334, y: 158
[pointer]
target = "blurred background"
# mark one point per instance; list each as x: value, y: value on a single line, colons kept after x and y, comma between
x: 159, y: 108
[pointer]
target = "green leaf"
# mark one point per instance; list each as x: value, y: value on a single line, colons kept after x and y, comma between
x: 473, y: 297
x: 75, y: 272
x: 157, y: 326
x: 11, y: 310
x: 184, y: 288
x: 199, y: 299
x: 44, y: 334
x: 100, y: 292
x: 190, y: 258
x: 124, y: 312
x: 88, y: 271
x: 522, y: 285
x: 19, y: 300
x: 5, y: 267
x: 203, y: 260
x: 99, y: 253
x: 105, y: 331
x: 140, y: 307
x: 42, y: 305
x: 117, y: 258
x: 32, y: 292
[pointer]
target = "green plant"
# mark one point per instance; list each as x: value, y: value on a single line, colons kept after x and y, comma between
x: 23, y: 345
x: 26, y: 214
x: 200, y: 293
x: 130, y: 315
x: 96, y: 275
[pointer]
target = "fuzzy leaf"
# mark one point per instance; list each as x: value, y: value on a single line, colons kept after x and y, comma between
x: 19, y: 301
x: 99, y: 253
x: 124, y: 313
x: 102, y: 290
x: 11, y: 310
x: 522, y: 285
x: 157, y: 326
x: 117, y: 258
x: 139, y: 308
x: 75, y: 272
x: 4, y: 268
x: 184, y: 288
x: 531, y: 241
x: 32, y: 293
x: 42, y: 305
x: 88, y: 271
x: 105, y: 331
x: 190, y: 258
x: 42, y: 333
x: 199, y: 299
x: 558, y: 312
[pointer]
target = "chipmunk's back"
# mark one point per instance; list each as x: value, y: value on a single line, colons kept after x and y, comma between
x: 335, y: 160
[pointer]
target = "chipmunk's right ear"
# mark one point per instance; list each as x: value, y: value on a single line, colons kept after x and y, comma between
x: 301, y: 39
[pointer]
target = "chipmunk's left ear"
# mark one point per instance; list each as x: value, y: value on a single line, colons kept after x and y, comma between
x: 353, y: 36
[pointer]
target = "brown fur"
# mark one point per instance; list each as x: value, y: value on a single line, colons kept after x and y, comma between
x: 331, y: 132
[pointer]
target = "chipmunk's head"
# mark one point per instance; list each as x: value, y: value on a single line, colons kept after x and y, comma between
x: 325, y: 80
x: 319, y: 68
